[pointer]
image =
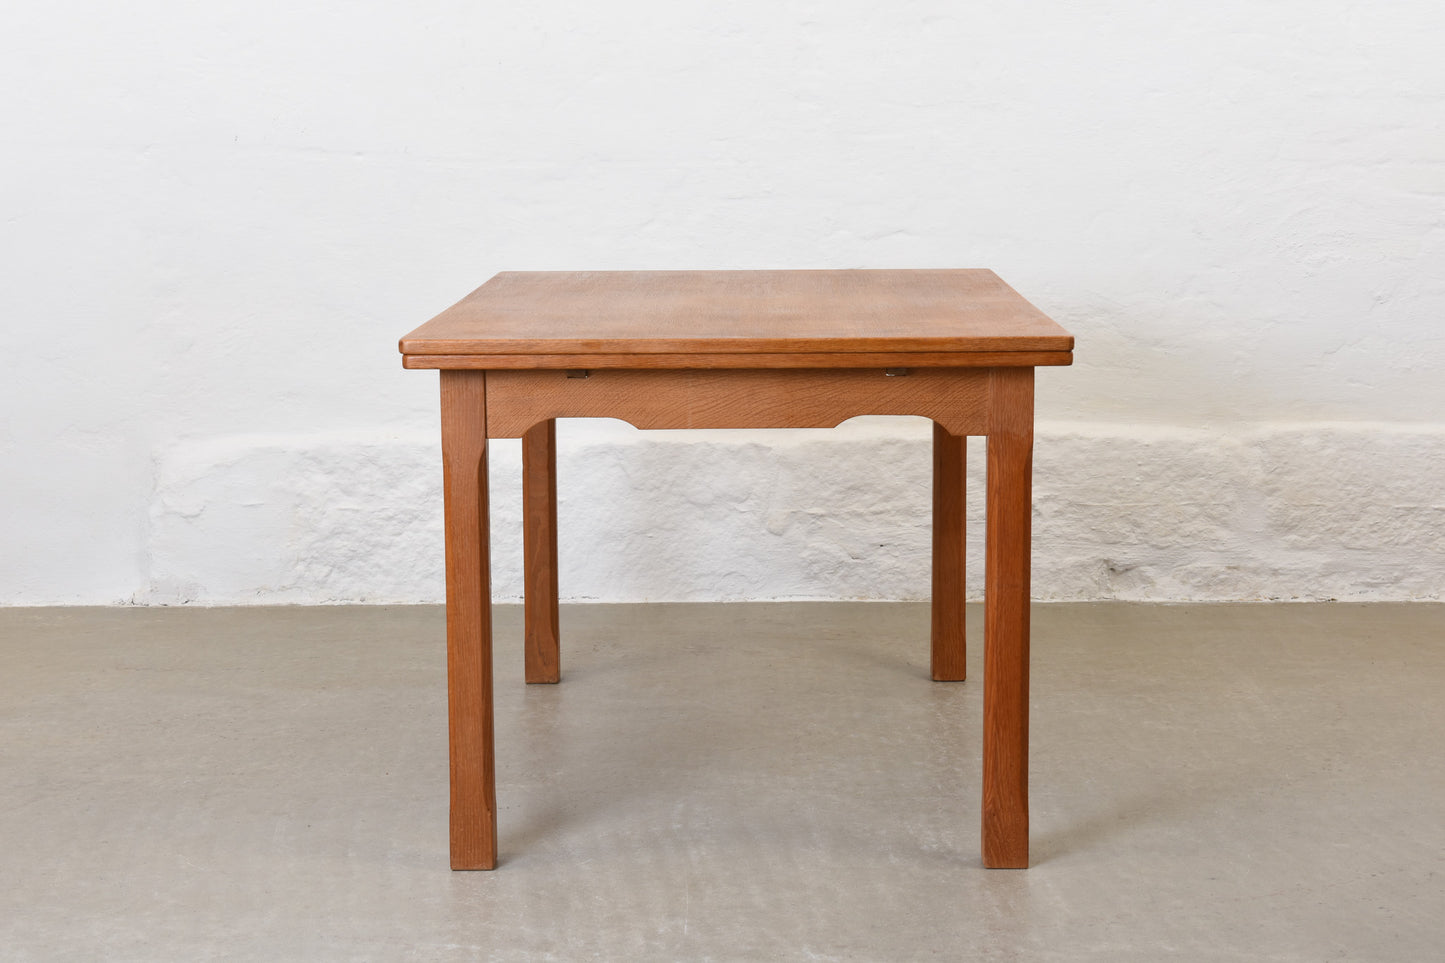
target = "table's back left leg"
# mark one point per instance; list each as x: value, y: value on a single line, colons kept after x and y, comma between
x: 539, y: 551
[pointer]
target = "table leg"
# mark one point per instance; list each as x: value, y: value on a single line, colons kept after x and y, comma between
x: 539, y: 551
x: 1006, y: 620
x: 949, y: 463
x: 469, y: 620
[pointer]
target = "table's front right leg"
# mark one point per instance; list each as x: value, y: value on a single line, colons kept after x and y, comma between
x: 469, y: 621
x: 1007, y: 536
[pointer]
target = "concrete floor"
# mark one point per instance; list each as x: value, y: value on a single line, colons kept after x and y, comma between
x: 722, y: 782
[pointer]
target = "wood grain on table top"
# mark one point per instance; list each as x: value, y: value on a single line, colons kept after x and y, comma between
x: 877, y: 312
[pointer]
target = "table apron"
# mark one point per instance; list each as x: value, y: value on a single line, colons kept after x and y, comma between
x: 958, y: 399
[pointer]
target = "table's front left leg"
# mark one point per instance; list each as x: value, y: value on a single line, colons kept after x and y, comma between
x: 1006, y: 620
x: 469, y: 621
x: 539, y: 552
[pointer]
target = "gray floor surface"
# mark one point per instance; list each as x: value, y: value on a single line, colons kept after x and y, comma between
x: 722, y: 782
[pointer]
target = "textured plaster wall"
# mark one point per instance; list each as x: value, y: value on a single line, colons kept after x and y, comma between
x: 218, y: 218
x: 1276, y: 511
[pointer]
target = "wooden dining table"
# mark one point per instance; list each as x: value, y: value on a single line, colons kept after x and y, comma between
x: 738, y: 349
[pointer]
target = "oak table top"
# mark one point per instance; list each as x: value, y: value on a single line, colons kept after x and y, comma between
x: 797, y: 318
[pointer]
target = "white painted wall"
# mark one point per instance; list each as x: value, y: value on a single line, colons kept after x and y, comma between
x: 217, y: 218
